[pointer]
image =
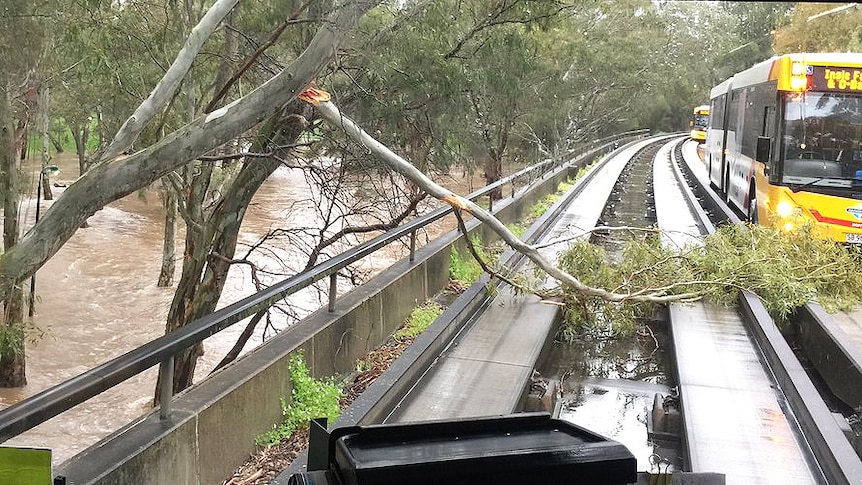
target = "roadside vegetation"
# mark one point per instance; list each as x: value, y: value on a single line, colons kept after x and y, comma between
x: 315, y: 398
x: 311, y: 398
x: 464, y: 270
x: 496, y: 90
x: 318, y: 398
x: 477, y: 86
x: 420, y: 319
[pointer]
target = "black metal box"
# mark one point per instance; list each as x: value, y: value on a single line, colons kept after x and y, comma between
x: 515, y: 449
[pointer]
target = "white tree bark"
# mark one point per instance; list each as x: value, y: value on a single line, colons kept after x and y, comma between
x: 332, y: 115
x: 122, y: 175
x: 165, y: 89
x: 45, y: 126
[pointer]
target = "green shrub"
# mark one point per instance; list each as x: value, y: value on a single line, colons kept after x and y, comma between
x: 565, y: 185
x: 420, y: 319
x: 517, y: 229
x: 542, y: 206
x: 12, y: 339
x: 586, y: 168
x: 311, y: 398
x: 464, y: 269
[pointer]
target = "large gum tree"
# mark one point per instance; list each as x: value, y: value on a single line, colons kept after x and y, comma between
x: 473, y: 83
x: 120, y: 169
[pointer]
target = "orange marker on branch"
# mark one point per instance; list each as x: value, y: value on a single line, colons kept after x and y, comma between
x: 314, y: 96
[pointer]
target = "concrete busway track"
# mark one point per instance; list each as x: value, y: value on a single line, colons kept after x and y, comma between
x: 477, y: 358
x: 749, y: 408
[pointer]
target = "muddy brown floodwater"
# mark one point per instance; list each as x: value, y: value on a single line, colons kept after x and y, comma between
x: 97, y: 299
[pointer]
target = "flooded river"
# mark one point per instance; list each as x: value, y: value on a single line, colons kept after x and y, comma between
x: 97, y: 299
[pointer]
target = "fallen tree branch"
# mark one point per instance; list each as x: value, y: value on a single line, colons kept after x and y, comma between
x: 332, y: 115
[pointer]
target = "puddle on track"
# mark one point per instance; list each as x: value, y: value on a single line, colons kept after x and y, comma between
x: 609, y: 385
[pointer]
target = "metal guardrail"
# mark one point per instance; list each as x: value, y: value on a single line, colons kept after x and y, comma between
x: 43, y: 406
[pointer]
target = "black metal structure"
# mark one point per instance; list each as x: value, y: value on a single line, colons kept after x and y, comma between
x: 505, y: 450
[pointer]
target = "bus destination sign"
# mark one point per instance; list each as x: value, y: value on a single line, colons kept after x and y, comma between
x: 840, y: 79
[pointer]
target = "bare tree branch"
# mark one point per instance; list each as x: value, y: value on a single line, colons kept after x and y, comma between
x: 494, y: 19
x: 273, y: 38
x: 383, y: 226
x: 164, y: 90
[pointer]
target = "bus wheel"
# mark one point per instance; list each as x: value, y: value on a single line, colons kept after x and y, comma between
x: 752, y: 210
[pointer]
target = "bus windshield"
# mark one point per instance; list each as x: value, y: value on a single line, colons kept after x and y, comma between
x: 701, y: 120
x: 822, y: 139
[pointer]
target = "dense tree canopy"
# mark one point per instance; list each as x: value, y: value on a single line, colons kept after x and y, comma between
x: 821, y: 28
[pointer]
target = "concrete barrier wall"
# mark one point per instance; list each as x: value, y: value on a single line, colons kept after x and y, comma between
x: 830, y: 351
x: 214, y: 424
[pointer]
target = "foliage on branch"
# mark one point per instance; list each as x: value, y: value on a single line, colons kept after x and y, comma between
x: 785, y: 270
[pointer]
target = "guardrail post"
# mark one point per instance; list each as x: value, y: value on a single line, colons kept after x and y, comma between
x: 412, y: 246
x: 332, y: 291
x: 166, y: 387
x: 491, y: 201
x: 513, y: 186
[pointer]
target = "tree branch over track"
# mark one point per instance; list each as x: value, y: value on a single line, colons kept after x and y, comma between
x: 332, y: 115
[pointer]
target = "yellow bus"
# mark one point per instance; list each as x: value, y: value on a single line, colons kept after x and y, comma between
x: 699, y: 122
x: 784, y: 143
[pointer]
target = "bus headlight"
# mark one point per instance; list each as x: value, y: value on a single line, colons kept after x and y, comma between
x: 785, y: 209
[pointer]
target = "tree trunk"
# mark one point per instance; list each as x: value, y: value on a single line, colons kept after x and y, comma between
x: 166, y: 274
x: 58, y: 147
x: 493, y: 173
x: 211, y: 240
x: 100, y: 133
x: 182, y: 308
x: 81, y: 134
x: 25, y: 145
x: 13, y: 368
x: 46, y: 143
x: 12, y: 362
x: 208, y: 255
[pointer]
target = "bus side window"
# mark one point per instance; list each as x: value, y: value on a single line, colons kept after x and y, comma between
x: 765, y: 140
x: 764, y: 151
